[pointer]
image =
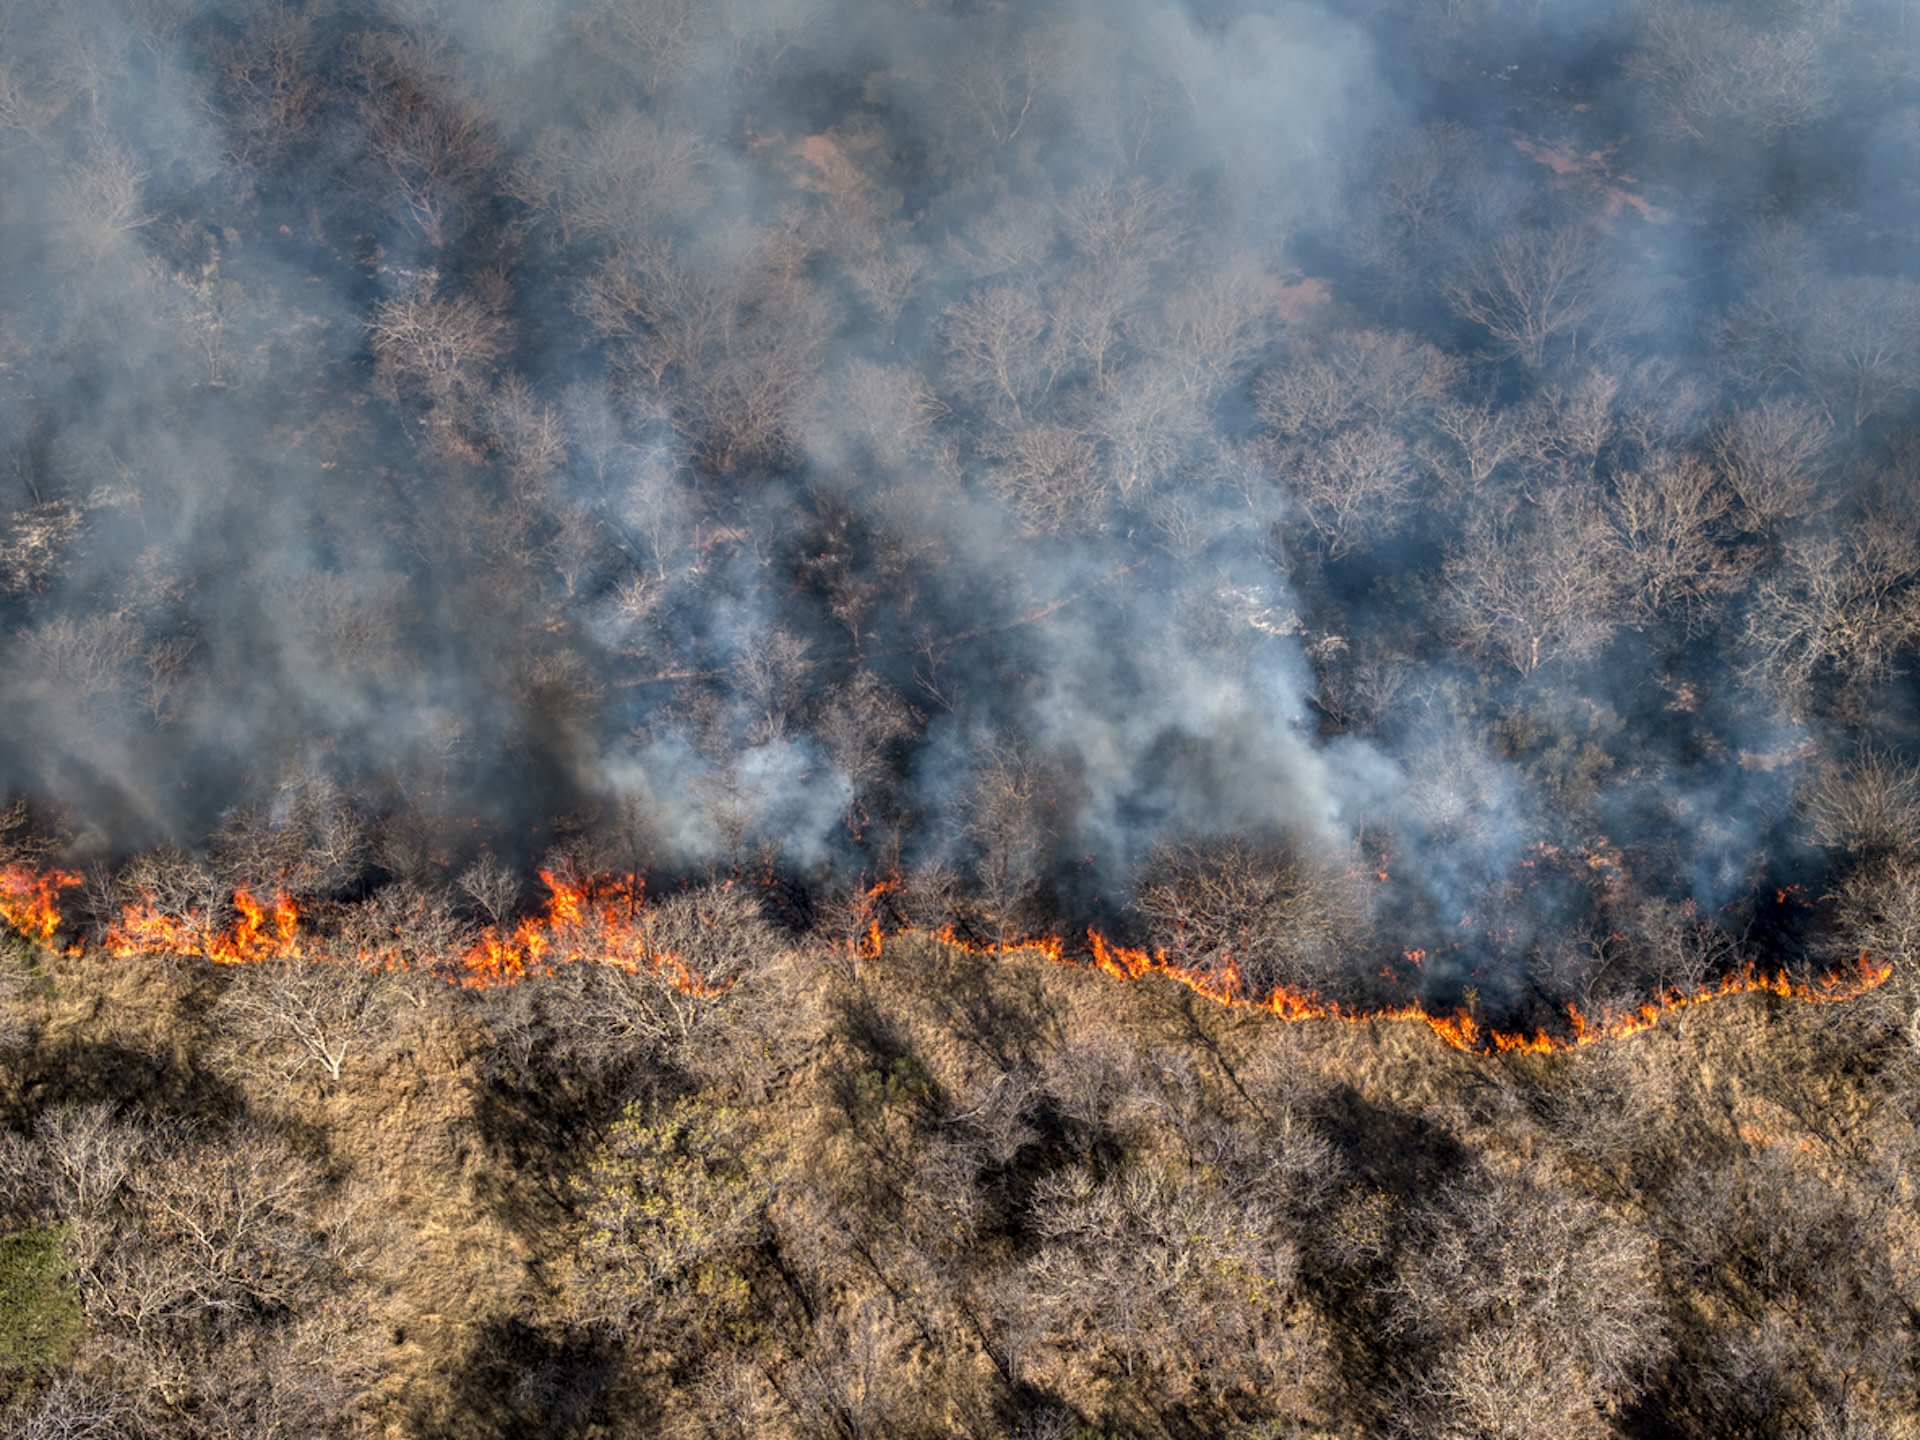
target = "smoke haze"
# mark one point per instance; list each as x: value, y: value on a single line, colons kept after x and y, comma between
x: 1466, y: 450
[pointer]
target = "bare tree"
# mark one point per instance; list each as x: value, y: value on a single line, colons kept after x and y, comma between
x: 1210, y: 328
x: 1354, y: 487
x: 1842, y: 608
x: 625, y: 178
x: 726, y: 349
x: 1712, y: 72
x: 1266, y: 913
x: 1534, y: 1307
x: 994, y: 89
x: 435, y: 148
x: 1546, y: 585
x: 273, y: 85
x: 654, y: 41
x: 997, y: 348
x: 86, y: 659
x: 888, y: 277
x: 1153, y: 425
x: 492, y: 887
x: 1770, y: 454
x: 1672, y: 520
x: 1868, y: 806
x: 1001, y: 818
x: 1876, y: 917
x: 101, y: 204
x: 1052, y: 476
x: 1536, y: 286
x: 441, y: 348
x: 531, y: 435
x: 1143, y: 1274
x: 308, y: 1013
x: 1471, y: 442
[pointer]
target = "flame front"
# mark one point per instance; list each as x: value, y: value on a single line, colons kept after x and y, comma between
x: 257, y: 933
x: 604, y: 921
x: 600, y: 921
x: 30, y: 900
x: 1224, y: 985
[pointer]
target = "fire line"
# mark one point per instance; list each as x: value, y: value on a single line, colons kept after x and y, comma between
x: 604, y: 921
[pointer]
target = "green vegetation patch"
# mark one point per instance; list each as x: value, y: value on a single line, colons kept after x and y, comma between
x: 39, y: 1304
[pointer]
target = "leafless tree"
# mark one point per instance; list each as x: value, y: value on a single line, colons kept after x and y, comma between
x: 1712, y: 71
x: 852, y: 1380
x: 888, y: 277
x: 492, y: 887
x: 1876, y: 919
x: 409, y: 923
x: 1210, y: 328
x: 993, y: 89
x: 726, y: 349
x: 530, y: 434
x: 1860, y: 351
x: 880, y: 414
x: 310, y: 838
x: 1869, y: 805
x: 1536, y: 286
x: 1276, y: 912
x: 626, y: 177
x: 87, y: 658
x: 274, y: 84
x: 1051, y: 475
x: 176, y: 884
x: 1535, y: 1305
x: 101, y: 204
x: 864, y: 719
x: 308, y: 1013
x: 436, y: 149
x: 1354, y: 486
x: 655, y: 41
x: 1144, y: 1273
x: 1770, y: 454
x: 1002, y: 820
x: 1545, y: 585
x: 441, y: 348
x: 1843, y: 606
x: 36, y: 541
x: 998, y: 348
x: 1471, y: 441
x: 1152, y: 424
x: 1013, y: 239
x: 1673, y: 523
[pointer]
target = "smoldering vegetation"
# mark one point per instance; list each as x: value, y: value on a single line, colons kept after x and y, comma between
x: 1306, y: 483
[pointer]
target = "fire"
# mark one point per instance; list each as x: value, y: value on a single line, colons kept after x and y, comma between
x: 601, y: 921
x: 30, y: 900
x: 605, y: 921
x: 1224, y: 984
x: 258, y: 932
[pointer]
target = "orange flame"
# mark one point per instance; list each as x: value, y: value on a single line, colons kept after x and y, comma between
x: 601, y: 921
x: 1224, y: 984
x: 604, y: 921
x: 30, y: 900
x: 258, y: 932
